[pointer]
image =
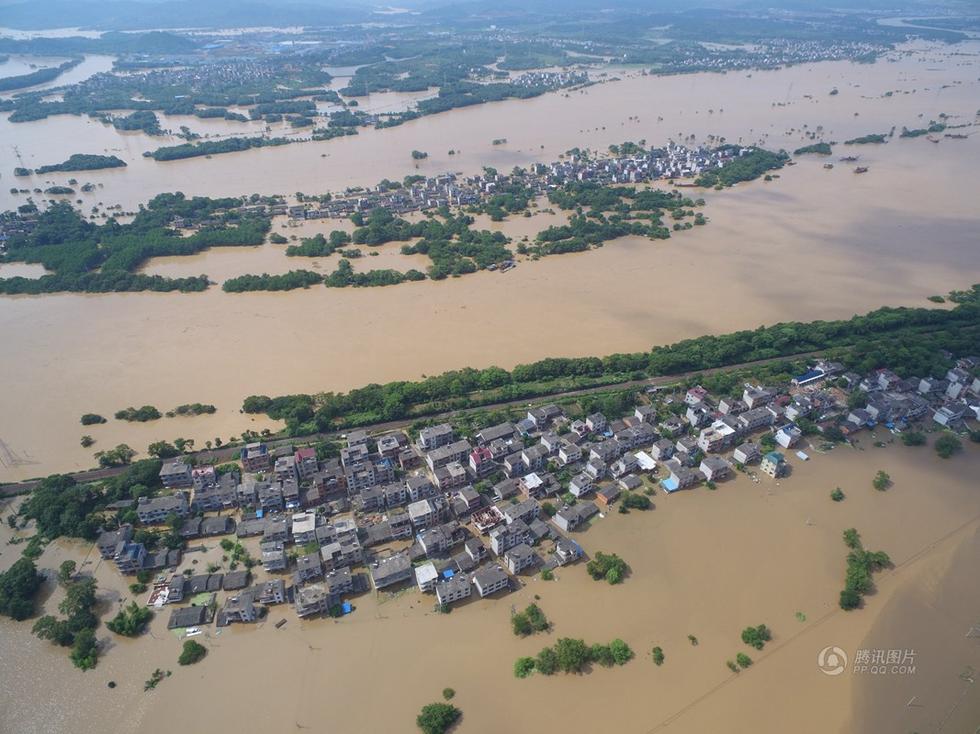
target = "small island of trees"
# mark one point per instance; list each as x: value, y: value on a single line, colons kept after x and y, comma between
x: 607, y: 566
x: 871, y: 139
x: 818, y: 148
x: 138, y: 415
x: 83, y: 162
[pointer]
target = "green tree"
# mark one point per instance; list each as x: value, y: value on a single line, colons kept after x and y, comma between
x: 130, y: 621
x: 85, y: 650
x: 658, y: 656
x: 947, y: 445
x: 602, y: 655
x: 882, y: 481
x: 621, y: 652
x: 546, y: 662
x: 914, y: 438
x: 523, y: 667
x: 757, y: 637
x: 521, y: 624
x: 191, y: 653
x: 837, y: 495
x: 66, y: 571
x: 608, y: 566
x: 437, y: 718
x: 572, y: 655
x: 743, y: 660
x: 849, y: 599
x: 162, y: 450
x: 852, y: 539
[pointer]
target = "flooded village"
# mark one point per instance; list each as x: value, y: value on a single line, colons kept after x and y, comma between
x: 456, y: 514
x: 341, y: 576
x: 402, y: 538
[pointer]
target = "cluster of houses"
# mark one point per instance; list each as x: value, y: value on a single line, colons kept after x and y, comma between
x: 460, y: 516
x: 448, y: 189
x: 951, y: 401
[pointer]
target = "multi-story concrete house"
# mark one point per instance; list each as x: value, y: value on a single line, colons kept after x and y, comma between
x: 255, y: 457
x: 432, y: 437
x: 519, y: 558
x: 176, y: 474
x: 489, y: 580
x: 525, y: 511
x: 154, y: 511
x: 503, y: 538
x: 453, y: 590
x: 455, y: 451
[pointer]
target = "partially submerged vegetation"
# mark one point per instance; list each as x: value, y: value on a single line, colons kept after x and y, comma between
x: 861, y: 564
x: 569, y: 655
x: 92, y: 258
x: 818, y: 148
x: 437, y: 718
x: 531, y: 620
x: 607, y: 566
x: 192, y: 652
x: 138, y: 415
x: 871, y: 139
x: 83, y: 162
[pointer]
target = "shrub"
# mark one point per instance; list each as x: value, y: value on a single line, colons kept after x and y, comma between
x: 92, y: 419
x: 882, y: 481
x: 448, y: 693
x: 621, y: 652
x: 85, y: 650
x: 607, y: 566
x: 757, y: 637
x: 547, y: 661
x: 436, y: 718
x: 947, y: 445
x: 914, y: 438
x: 193, y: 652
x: 837, y: 495
x: 849, y: 599
x: 523, y: 667
x: 658, y: 656
x: 743, y: 660
x: 636, y: 501
x: 130, y: 621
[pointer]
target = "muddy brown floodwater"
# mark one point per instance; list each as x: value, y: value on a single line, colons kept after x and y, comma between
x: 703, y: 563
x: 812, y: 244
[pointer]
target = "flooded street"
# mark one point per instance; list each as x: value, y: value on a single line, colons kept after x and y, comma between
x: 696, y: 553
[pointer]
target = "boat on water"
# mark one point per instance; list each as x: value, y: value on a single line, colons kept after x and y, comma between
x: 828, y: 166
x: 193, y: 631
x: 861, y: 169
x: 849, y: 159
